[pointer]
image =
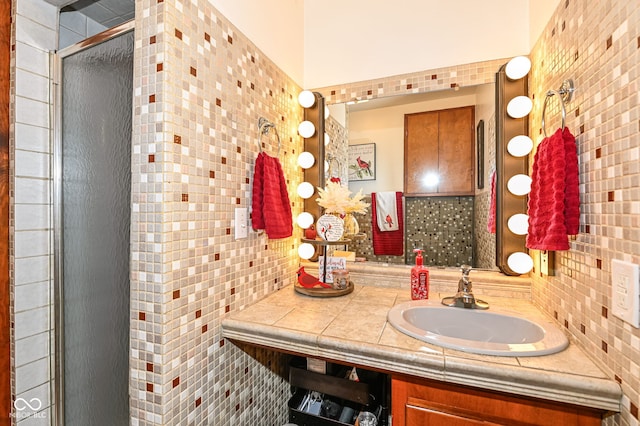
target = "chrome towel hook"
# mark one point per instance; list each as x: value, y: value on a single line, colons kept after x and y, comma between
x: 565, y: 93
x: 263, y: 129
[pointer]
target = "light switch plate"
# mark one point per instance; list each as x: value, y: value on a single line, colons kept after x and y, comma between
x: 241, y: 228
x: 625, y: 292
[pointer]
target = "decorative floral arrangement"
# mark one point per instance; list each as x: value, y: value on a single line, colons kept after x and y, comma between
x: 336, y: 198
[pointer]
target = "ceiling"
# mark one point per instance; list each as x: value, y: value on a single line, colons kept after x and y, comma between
x: 106, y: 12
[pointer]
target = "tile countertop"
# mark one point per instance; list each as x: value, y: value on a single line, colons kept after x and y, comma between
x: 353, y: 329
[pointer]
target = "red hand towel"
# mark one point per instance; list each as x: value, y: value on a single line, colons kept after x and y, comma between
x: 554, y: 200
x: 389, y: 242
x: 271, y: 209
x: 491, y: 221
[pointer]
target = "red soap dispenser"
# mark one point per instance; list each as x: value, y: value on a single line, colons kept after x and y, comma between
x: 419, y: 278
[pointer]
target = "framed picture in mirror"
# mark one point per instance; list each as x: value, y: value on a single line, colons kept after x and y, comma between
x: 480, y: 153
x: 362, y: 162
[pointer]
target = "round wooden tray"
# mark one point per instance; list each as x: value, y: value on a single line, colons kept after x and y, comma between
x: 323, y: 292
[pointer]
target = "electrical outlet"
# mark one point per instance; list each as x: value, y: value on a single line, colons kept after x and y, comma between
x: 241, y: 228
x: 625, y: 292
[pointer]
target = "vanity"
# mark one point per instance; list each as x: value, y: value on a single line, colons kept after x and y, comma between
x: 431, y: 384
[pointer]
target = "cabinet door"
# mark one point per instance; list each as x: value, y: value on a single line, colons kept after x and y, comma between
x: 439, y: 152
x: 417, y: 416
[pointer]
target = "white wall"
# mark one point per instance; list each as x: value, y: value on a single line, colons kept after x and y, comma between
x: 540, y: 12
x: 275, y: 26
x: 347, y: 41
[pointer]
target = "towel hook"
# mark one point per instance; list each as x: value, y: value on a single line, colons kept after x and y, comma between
x: 263, y: 129
x: 565, y: 93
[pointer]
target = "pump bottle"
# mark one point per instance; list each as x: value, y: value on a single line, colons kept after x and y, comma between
x: 419, y: 279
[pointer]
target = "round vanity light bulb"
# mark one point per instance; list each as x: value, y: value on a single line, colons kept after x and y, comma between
x: 520, y: 145
x: 305, y: 220
x: 520, y: 262
x: 305, y: 190
x: 518, y: 67
x: 306, y: 160
x: 306, y: 98
x: 519, y: 107
x: 518, y: 224
x: 519, y: 184
x: 306, y: 251
x: 327, y: 112
x: 431, y: 179
x: 327, y: 139
x: 306, y: 129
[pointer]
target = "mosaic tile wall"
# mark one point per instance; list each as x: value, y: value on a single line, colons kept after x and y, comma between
x: 597, y: 44
x: 337, y: 148
x: 441, y: 226
x: 200, y: 87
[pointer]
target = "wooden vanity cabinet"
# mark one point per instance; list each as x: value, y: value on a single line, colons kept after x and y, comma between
x: 419, y: 402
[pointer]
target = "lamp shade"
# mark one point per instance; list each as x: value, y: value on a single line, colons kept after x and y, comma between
x: 306, y: 99
x: 518, y: 67
x: 519, y: 107
x: 518, y: 224
x: 306, y: 129
x: 305, y: 190
x: 306, y: 251
x: 520, y: 262
x: 519, y: 184
x: 306, y: 160
x: 520, y: 145
x: 305, y: 220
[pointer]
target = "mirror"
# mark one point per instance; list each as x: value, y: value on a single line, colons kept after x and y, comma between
x: 451, y: 230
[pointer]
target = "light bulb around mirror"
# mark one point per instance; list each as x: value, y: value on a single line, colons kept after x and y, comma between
x: 518, y: 224
x: 306, y: 129
x: 518, y: 67
x: 327, y: 139
x: 431, y: 180
x: 520, y: 145
x: 519, y: 184
x: 305, y: 220
x: 327, y: 112
x: 306, y: 251
x: 520, y: 262
x: 305, y: 190
x: 326, y: 166
x: 306, y: 99
x: 306, y: 160
x: 519, y: 107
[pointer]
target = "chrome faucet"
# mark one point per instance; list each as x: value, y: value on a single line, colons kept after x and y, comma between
x: 465, y: 298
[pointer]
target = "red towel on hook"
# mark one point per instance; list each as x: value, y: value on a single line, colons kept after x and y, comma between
x: 491, y: 220
x: 554, y: 200
x: 270, y: 205
x: 388, y: 242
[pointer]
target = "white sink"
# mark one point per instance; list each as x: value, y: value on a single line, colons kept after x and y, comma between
x: 490, y: 332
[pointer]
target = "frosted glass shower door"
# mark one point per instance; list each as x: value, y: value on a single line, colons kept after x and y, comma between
x: 94, y: 215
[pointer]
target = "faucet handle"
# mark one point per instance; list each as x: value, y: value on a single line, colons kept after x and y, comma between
x: 465, y: 270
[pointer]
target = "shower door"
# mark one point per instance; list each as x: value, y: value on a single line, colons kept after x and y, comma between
x: 92, y: 199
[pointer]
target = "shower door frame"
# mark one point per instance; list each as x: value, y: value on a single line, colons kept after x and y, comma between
x: 57, y: 356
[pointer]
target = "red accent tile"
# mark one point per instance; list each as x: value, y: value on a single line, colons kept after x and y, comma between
x: 582, y: 129
x: 434, y: 76
x: 185, y: 197
x: 237, y: 200
x: 152, y: 40
x: 205, y: 328
x: 239, y: 84
x: 233, y: 291
x: 566, y: 324
x: 618, y: 379
x: 207, y: 37
x: 149, y: 387
x: 246, y: 180
x: 176, y: 294
x: 598, y: 152
x: 611, y: 196
x: 150, y: 367
x: 253, y: 86
x: 576, y: 56
x: 198, y: 313
x: 212, y: 174
x: 564, y: 25
x: 142, y: 316
x: 176, y: 382
x: 555, y: 314
x: 218, y: 102
x: 226, y: 394
x: 553, y: 31
x: 152, y: 158
x: 583, y: 329
x: 222, y: 343
x: 223, y: 160
x: 638, y: 42
x: 253, y: 59
x: 178, y: 34
x: 454, y: 85
x: 246, y: 370
x: 230, y: 39
x: 587, y: 229
x: 228, y: 231
x: 237, y: 407
x: 198, y: 401
x: 251, y: 264
x: 217, y: 256
x: 609, y: 42
x: 152, y: 98
x: 333, y: 92
x: 239, y: 150
x: 227, y: 309
x: 604, y: 346
x: 159, y: 67
x: 599, y: 263
x: 605, y: 312
x: 160, y: 1
x: 177, y: 139
x: 634, y: 410
x: 409, y: 86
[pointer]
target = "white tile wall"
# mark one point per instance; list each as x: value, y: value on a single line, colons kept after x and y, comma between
x: 75, y: 27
